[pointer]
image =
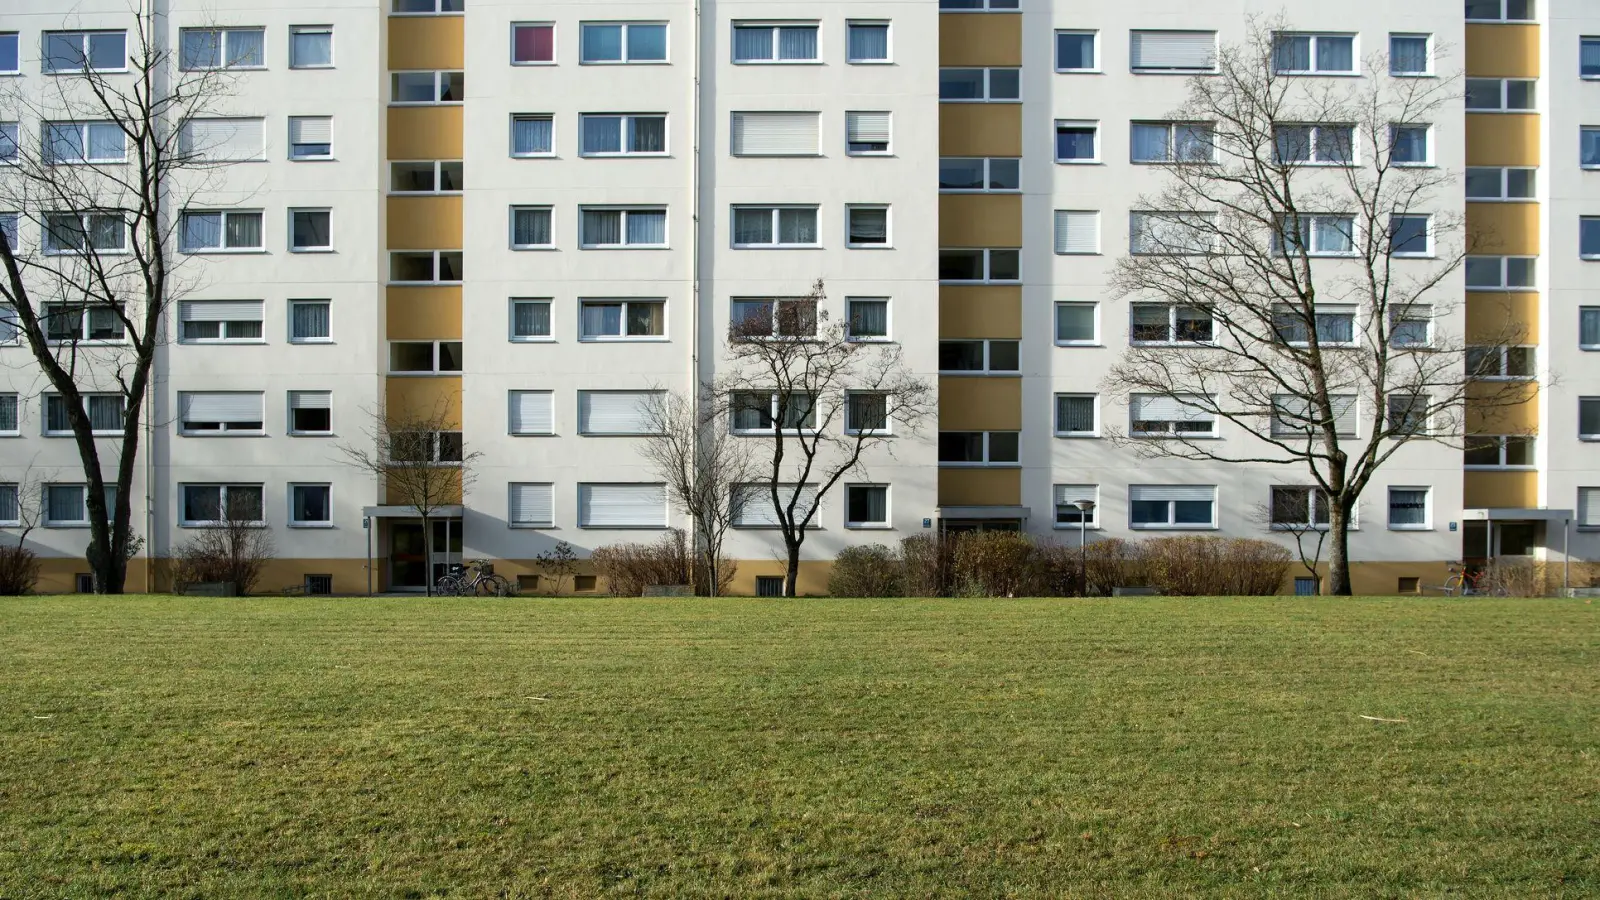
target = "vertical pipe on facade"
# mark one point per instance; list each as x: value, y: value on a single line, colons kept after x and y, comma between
x: 694, y: 252
x: 147, y: 13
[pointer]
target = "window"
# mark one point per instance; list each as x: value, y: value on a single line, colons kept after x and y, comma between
x: 220, y: 321
x: 1410, y: 54
x: 1068, y: 513
x: 75, y: 232
x: 977, y: 5
x: 1410, y: 145
x: 424, y: 357
x: 10, y: 53
x: 980, y: 357
x: 310, y: 230
x: 427, y: 7
x: 1077, y: 142
x: 1171, y: 233
x: 532, y: 135
x: 235, y: 412
x: 1173, y: 142
x: 310, y: 506
x: 978, y: 448
x: 311, y: 412
x: 531, y: 413
x: 980, y: 85
x: 1411, y: 235
x: 622, y: 320
x: 758, y: 43
x: 1499, y: 10
x: 1411, y: 325
x: 1322, y: 54
x: 1161, y: 415
x: 311, y: 46
x: 9, y: 137
x: 782, y: 316
x: 1588, y: 328
x: 623, y: 42
x: 425, y: 266
x: 1077, y: 415
x: 991, y: 265
x: 622, y: 506
x: 1077, y: 231
x: 432, y: 177
x: 84, y: 142
x: 223, y: 140
x: 1499, y: 94
x: 623, y: 135
x: 755, y: 507
x: 1589, y: 418
x: 10, y: 416
x: 1589, y: 507
x: 1511, y: 363
x: 218, y: 504
x: 1077, y: 51
x: 610, y: 413
x: 1589, y: 237
x: 866, y: 506
x: 426, y: 447
x: 309, y: 322
x: 1500, y: 183
x: 868, y: 42
x: 1408, y: 508
x: 423, y: 88
x: 1407, y: 414
x: 1161, y: 323
x: 1297, y: 507
x: 866, y: 226
x: 776, y: 134
x: 10, y: 507
x: 1314, y: 235
x: 618, y: 227
x: 1332, y: 145
x: 1589, y: 147
x: 530, y: 228
x: 68, y: 504
x: 867, y: 133
x: 866, y: 412
x: 530, y: 320
x: 74, y: 51
x: 1295, y: 415
x: 756, y: 412
x: 531, y: 505
x: 221, y: 48
x: 105, y: 411
x: 1510, y: 273
x: 8, y: 233
x: 867, y: 318
x: 532, y: 43
x: 1077, y: 324
x: 10, y: 331
x: 1506, y: 451
x: 1172, y: 52
x: 68, y: 322
x: 775, y: 226
x: 969, y: 174
x: 1172, y: 505
x: 310, y: 137
x: 220, y: 231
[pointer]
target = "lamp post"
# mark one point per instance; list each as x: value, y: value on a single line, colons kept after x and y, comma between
x: 1085, y: 510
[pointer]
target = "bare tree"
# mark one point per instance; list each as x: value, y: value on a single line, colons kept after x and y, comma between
x: 1294, y: 272
x: 21, y: 503
x: 235, y: 549
x: 419, y: 457
x: 694, y: 451
x: 89, y: 242
x: 1302, y: 513
x: 817, y: 402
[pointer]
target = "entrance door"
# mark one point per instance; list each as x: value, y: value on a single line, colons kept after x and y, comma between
x: 410, y: 567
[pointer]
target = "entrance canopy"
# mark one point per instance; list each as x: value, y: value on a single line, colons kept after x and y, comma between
x: 983, y: 512
x: 410, y: 512
x: 1512, y: 514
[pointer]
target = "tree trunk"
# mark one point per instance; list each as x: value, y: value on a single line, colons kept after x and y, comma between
x: 1339, y: 553
x: 427, y: 557
x: 791, y: 576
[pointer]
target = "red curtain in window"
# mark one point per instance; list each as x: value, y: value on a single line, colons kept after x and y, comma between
x: 534, y: 43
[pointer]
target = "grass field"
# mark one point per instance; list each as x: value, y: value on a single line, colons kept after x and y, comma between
x: 1119, y: 748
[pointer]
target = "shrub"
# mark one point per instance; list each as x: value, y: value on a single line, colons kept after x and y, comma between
x: 19, y: 571
x: 870, y: 570
x: 1114, y: 563
x: 1255, y: 568
x: 926, y: 561
x: 630, y: 568
x: 1512, y: 579
x: 234, y: 551
x: 1203, y: 566
x: 993, y: 564
x: 1057, y: 571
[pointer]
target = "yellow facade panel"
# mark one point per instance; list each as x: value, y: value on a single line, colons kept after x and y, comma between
x: 980, y: 129
x: 427, y: 42
x: 425, y: 132
x: 980, y: 404
x: 1495, y: 407
x: 1510, y: 229
x: 987, y: 40
x: 980, y: 312
x: 1503, y: 51
x: 424, y: 397
x: 1494, y: 318
x: 980, y: 487
x: 1502, y: 139
x: 980, y: 220
x: 1500, y: 490
x: 425, y: 223
x: 424, y: 313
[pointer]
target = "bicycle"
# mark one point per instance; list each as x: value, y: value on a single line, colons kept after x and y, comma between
x: 1460, y: 582
x: 474, y: 578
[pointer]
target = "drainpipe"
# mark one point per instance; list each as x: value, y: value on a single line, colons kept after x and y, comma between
x: 694, y: 290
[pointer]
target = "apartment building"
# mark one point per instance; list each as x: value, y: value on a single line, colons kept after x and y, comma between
x: 529, y: 215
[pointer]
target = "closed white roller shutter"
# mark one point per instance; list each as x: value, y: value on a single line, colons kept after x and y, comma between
x: 1174, y: 51
x: 533, y: 412
x: 311, y: 400
x: 311, y: 129
x: 622, y: 506
x: 1160, y: 493
x: 1071, y: 493
x: 866, y: 127
x: 220, y: 310
x: 613, y: 412
x: 1589, y: 506
x: 1291, y: 416
x: 1346, y: 415
x: 776, y: 133
x: 1159, y: 408
x: 1077, y: 231
x: 220, y: 407
x: 533, y: 504
x: 757, y: 510
x: 224, y: 139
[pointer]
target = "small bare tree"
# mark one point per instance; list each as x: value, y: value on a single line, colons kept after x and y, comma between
x: 1302, y: 513
x: 694, y: 451
x: 22, y: 503
x: 89, y: 241
x: 813, y: 402
x: 1294, y: 272
x: 419, y: 458
x: 234, y: 550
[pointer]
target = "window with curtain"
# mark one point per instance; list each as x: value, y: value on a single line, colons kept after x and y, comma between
x: 623, y: 42
x: 64, y: 504
x: 310, y: 505
x: 1408, y: 507
x: 1076, y: 323
x: 532, y: 135
x: 9, y: 135
x: 530, y: 319
x: 309, y: 320
x: 220, y: 48
x: 1296, y: 53
x: 869, y: 42
x: 774, y: 226
x: 1075, y: 415
x: 867, y: 505
x: 868, y: 318
x: 533, y: 43
x: 310, y: 46
x: 622, y: 319
x: 1408, y: 145
x: 623, y: 227
x: 868, y: 226
x: 1589, y: 57
x: 1589, y: 327
x: 774, y: 43
x: 623, y: 134
x: 10, y: 414
x: 530, y: 227
x: 310, y: 229
x: 1408, y: 54
x: 867, y: 413
x: 10, y: 513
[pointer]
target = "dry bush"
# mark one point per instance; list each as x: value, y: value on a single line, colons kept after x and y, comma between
x: 630, y: 568
x: 19, y: 571
x: 993, y: 564
x: 1204, y: 566
x: 870, y: 570
x: 926, y: 562
x: 1115, y: 563
x: 1512, y: 579
x: 1057, y: 571
x: 234, y: 552
x: 1255, y: 568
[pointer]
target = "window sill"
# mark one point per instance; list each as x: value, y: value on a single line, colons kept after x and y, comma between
x: 979, y: 465
x: 534, y: 156
x: 777, y: 62
x: 1502, y: 200
x: 869, y: 62
x: 1184, y: 72
x: 424, y: 374
x: 624, y: 340
x: 867, y: 526
x: 67, y: 434
x: 1474, y: 468
x: 1080, y: 344
x: 531, y: 340
x: 1079, y: 162
x: 624, y: 62
x: 850, y: 246
x: 1163, y: 436
x: 220, y: 524
x: 312, y: 159
x: 978, y: 100
x: 1501, y: 290
x: 312, y: 434
x: 255, y: 342
x: 531, y: 434
x: 223, y: 434
x: 530, y: 526
x: 625, y: 527
x: 623, y: 247
x: 421, y: 283
x: 316, y: 341
x: 1065, y: 527
x: 1076, y: 436
x: 309, y: 250
x: 975, y: 373
x: 980, y: 282
x: 533, y: 248
x: 1393, y: 527
x: 223, y: 251
x: 1504, y: 111
x: 980, y: 190
x: 625, y: 156
x: 1413, y: 75
x: 775, y: 247
x: 311, y: 525
x: 214, y: 69
x: 1138, y: 527
x: 66, y: 524
x: 1080, y: 71
x: 882, y: 154
x: 533, y: 62
x: 1313, y: 73
x: 402, y: 103
x: 68, y: 73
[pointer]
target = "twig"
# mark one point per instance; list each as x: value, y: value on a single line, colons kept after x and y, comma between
x: 1376, y: 719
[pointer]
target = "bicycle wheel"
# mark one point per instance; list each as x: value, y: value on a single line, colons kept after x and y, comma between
x: 495, y: 586
x: 448, y: 586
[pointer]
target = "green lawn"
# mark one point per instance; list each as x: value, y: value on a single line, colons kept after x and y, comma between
x: 1123, y: 748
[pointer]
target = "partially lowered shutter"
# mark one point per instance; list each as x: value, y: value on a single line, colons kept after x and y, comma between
x: 1160, y: 493
x: 867, y: 127
x: 622, y: 506
x: 311, y: 130
x: 1160, y: 408
x: 613, y: 412
x: 220, y: 310
x: 757, y: 510
x: 1173, y: 51
x: 232, y: 406
x: 223, y: 139
x: 1077, y: 231
x: 776, y: 133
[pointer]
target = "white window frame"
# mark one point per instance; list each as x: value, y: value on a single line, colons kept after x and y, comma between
x: 850, y: 210
x: 1170, y: 430
x: 1392, y: 425
x: 83, y: 217
x: 586, y: 488
x: 625, y: 59
x: 224, y: 38
x: 309, y: 157
x: 16, y: 52
x: 222, y: 502
x: 436, y: 255
x: 1314, y: 248
x: 10, y: 142
x: 512, y: 49
x: 532, y: 154
x: 888, y: 420
x: 776, y: 316
x: 1584, y: 505
x: 392, y: 372
x: 888, y: 321
x: 290, y: 407
x: 1505, y: 265
x: 293, y: 521
x: 775, y: 210
x: 85, y: 37
x: 1504, y: 5
x: 1427, y: 138
x: 1504, y: 89
x: 987, y: 176
x: 1427, y: 507
x: 1093, y: 340
x: 439, y: 78
x: 983, y: 6
x: 625, y: 135
x: 1401, y: 314
x: 642, y: 399
x: 1094, y: 43
x: 1171, y: 152
x: 1077, y: 124
x: 1314, y: 144
x: 1291, y: 416
x: 1171, y: 523
x: 513, y: 522
x: 83, y: 487
x: 1089, y: 521
x: 850, y: 147
x: 227, y: 429
x: 887, y: 524
x: 1091, y: 215
x: 1502, y: 362
x: 1587, y: 224
x: 988, y: 451
x: 1055, y: 413
x: 312, y: 29
x: 624, y: 337
x: 437, y: 165
x: 1586, y: 312
x: 988, y: 265
x: 988, y: 85
x: 806, y: 426
x: 223, y: 330
x: 1317, y: 37
x: 1137, y: 218
x: 1583, y: 130
x: 1502, y: 451
x: 1133, y: 37
x: 48, y: 311
x: 548, y: 337
x: 225, y: 215
x: 15, y: 403
x: 82, y: 128
x: 293, y: 339
x: 438, y: 8
x: 626, y: 211
x: 1174, y: 330
x: 988, y: 357
x: 10, y: 501
x: 851, y: 24
x: 1427, y: 237
x: 775, y: 27
x: 1316, y: 501
x: 1588, y: 435
x: 317, y: 248
x: 511, y: 237
x: 89, y: 397
x: 1504, y: 193
x: 1411, y: 35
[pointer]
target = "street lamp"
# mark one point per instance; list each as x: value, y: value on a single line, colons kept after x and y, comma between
x: 1085, y: 510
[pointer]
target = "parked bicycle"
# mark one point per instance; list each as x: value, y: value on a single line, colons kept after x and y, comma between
x: 1460, y: 583
x: 474, y: 578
